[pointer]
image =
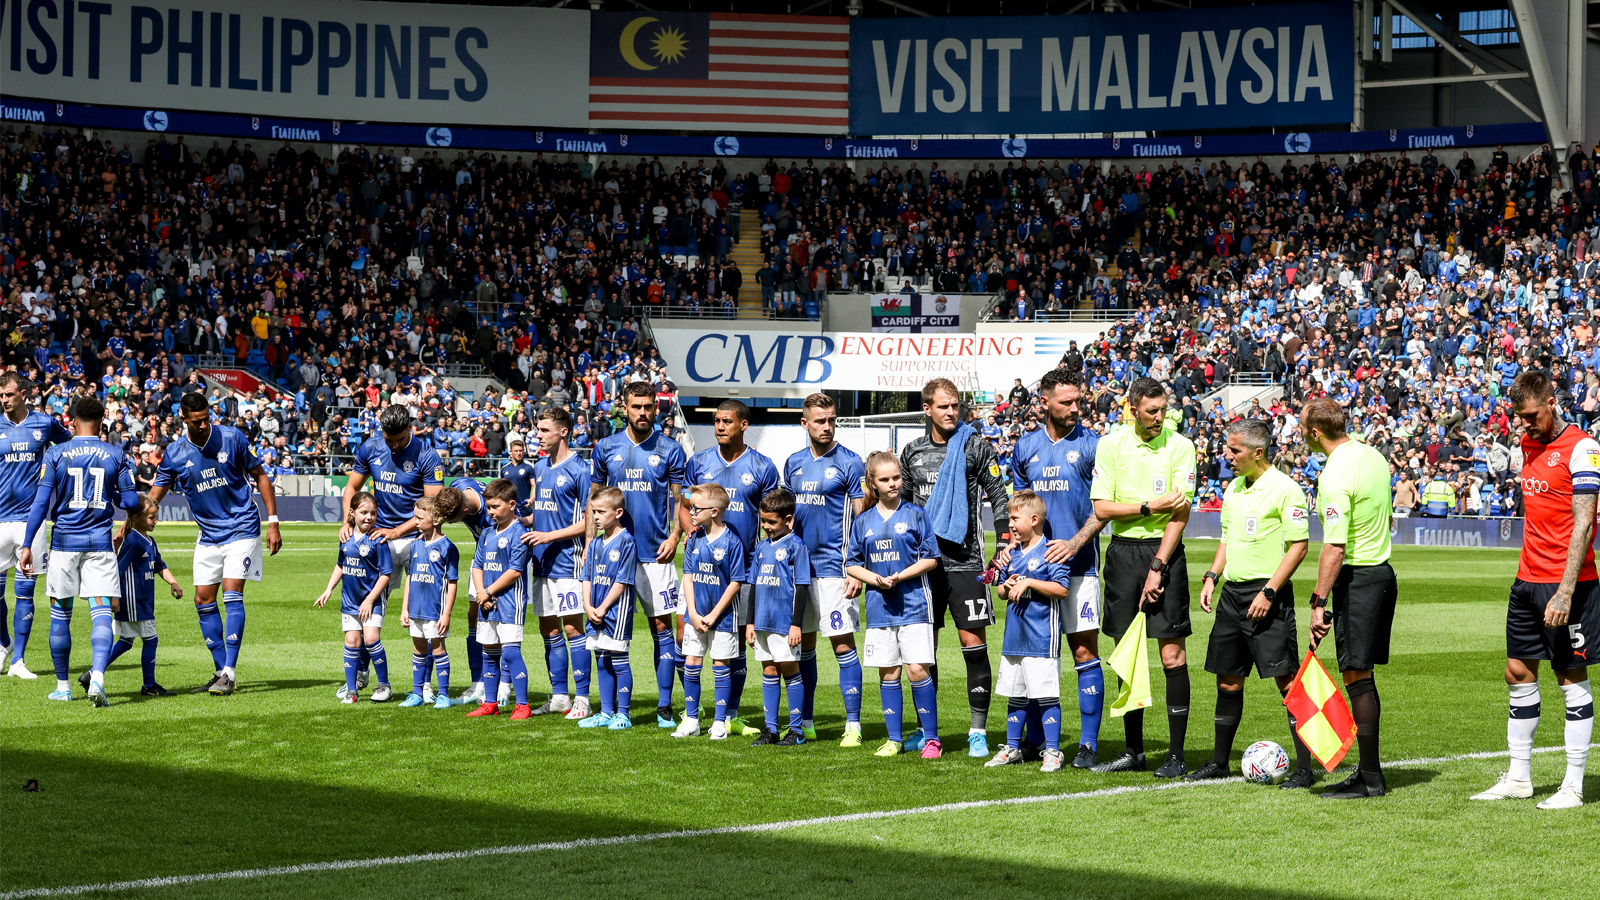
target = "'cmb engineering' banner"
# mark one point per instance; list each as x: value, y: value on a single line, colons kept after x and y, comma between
x: 439, y: 64
x: 1237, y: 67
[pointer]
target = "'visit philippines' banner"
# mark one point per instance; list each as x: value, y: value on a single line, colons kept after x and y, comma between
x: 1237, y: 67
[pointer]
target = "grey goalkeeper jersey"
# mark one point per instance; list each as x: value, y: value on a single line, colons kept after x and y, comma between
x: 920, y: 461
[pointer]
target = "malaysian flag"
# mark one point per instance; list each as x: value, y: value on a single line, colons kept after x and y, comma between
x: 701, y: 71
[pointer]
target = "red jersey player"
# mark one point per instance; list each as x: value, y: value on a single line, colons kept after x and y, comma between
x: 1554, y: 612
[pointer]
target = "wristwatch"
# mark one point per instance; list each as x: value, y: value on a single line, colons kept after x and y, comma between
x: 1144, y: 508
x: 1270, y: 594
x: 1156, y: 565
x: 1210, y: 576
x: 1318, y: 602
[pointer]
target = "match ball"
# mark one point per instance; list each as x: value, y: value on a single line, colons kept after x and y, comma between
x: 1265, y: 763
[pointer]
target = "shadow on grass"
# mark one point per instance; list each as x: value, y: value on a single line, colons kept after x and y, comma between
x: 183, y: 821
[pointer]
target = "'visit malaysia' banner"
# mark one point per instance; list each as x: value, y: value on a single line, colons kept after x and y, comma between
x: 433, y: 64
x: 1236, y: 67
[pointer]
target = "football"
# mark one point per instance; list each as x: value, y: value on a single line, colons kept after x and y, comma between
x: 1265, y: 763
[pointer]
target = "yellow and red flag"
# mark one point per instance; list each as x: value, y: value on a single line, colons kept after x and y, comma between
x: 1322, y: 717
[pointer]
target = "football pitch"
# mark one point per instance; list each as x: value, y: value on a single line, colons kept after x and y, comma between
x: 279, y: 791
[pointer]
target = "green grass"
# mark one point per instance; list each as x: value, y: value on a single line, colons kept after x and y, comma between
x: 280, y: 775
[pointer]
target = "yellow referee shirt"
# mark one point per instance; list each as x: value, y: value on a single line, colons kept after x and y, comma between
x: 1356, y: 502
x: 1130, y: 470
x: 1258, y: 521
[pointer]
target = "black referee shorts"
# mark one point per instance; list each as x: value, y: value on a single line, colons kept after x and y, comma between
x: 963, y: 595
x: 1363, y: 601
x: 1569, y: 647
x: 1127, y: 564
x: 1238, y: 643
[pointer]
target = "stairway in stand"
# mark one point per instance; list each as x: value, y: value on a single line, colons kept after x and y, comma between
x: 747, y: 253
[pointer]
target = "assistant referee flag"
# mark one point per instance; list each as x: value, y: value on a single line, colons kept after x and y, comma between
x: 1131, y: 662
x: 1322, y: 717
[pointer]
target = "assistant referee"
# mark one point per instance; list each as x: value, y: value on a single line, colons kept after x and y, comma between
x: 1353, y: 496
x: 1143, y: 485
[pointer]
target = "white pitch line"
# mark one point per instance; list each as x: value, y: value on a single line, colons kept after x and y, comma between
x: 587, y: 843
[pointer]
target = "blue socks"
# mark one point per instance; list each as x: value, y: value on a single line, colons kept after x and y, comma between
x: 5, y: 632
x: 926, y: 698
x: 556, y: 659
x: 352, y: 667
x: 722, y: 676
x: 582, y: 664
x: 893, y: 707
x: 441, y: 668
x: 808, y: 678
x: 233, y: 604
x: 1050, y: 708
x: 666, y: 666
x: 100, y: 638
x: 147, y: 661
x: 1091, y: 700
x: 380, y: 660
x: 516, y: 669
x: 61, y: 638
x: 491, y: 674
x: 796, y: 688
x: 123, y: 645
x: 850, y: 684
x: 622, y: 675
x: 211, y: 630
x: 1016, y: 717
x: 737, y: 670
x: 771, y: 689
x: 691, y: 690
x: 22, y: 617
x: 419, y: 673
x: 608, y: 682
x: 474, y: 656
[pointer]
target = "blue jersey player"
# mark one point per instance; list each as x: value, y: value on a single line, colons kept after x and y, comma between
x: 1030, y: 669
x: 612, y: 559
x: 24, y: 435
x: 520, y: 471
x: 80, y: 483
x: 428, y: 601
x: 781, y: 579
x: 827, y: 481
x: 1057, y: 463
x: 214, y: 468
x: 362, y: 574
x: 555, y: 537
x: 139, y: 562
x: 747, y: 476
x: 402, y: 470
x: 713, y: 576
x: 500, y: 590
x: 648, y: 468
x: 892, y: 550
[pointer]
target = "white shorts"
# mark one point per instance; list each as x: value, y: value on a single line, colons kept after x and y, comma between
x: 144, y: 629
x: 82, y: 573
x: 830, y: 612
x: 558, y: 596
x: 1034, y: 677
x: 774, y: 647
x: 656, y: 586
x: 425, y: 629
x: 354, y: 623
x: 607, y: 643
x: 713, y: 644
x: 399, y: 557
x: 1080, y: 611
x: 215, y: 563
x: 11, y: 535
x: 899, y: 645
x: 498, y: 632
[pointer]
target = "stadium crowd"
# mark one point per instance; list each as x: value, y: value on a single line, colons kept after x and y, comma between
x: 1412, y: 291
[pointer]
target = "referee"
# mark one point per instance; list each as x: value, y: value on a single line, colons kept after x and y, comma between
x: 1143, y: 485
x: 1264, y: 539
x: 955, y: 584
x: 1353, y: 495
